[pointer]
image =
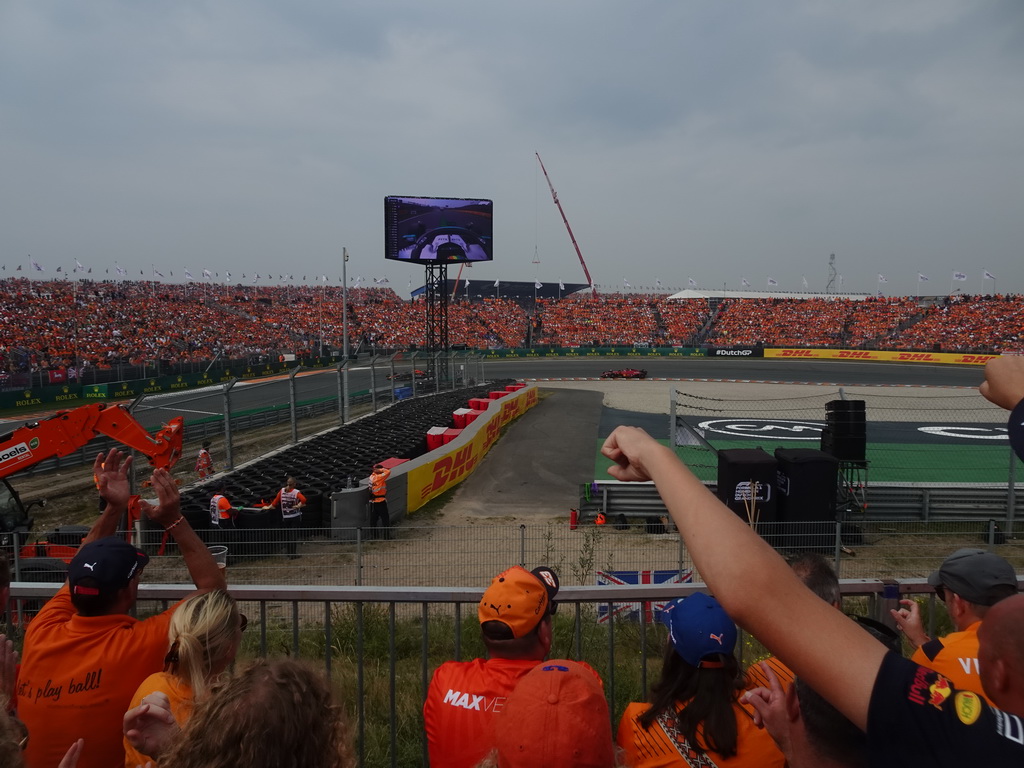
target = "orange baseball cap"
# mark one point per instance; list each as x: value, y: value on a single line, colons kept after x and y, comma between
x: 556, y: 716
x: 519, y: 598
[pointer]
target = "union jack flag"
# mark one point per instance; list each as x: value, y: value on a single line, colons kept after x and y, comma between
x: 633, y: 611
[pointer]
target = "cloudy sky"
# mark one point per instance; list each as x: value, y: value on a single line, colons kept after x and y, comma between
x: 704, y: 140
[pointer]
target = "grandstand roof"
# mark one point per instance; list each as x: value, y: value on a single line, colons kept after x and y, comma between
x: 512, y: 289
x: 697, y: 294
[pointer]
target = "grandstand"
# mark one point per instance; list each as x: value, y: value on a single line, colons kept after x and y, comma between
x: 76, y: 325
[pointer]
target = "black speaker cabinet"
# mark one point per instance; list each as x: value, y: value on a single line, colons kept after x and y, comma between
x: 806, y: 487
x: 845, y: 433
x: 746, y: 483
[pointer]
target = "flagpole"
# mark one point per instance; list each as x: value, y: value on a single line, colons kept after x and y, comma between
x: 344, y: 303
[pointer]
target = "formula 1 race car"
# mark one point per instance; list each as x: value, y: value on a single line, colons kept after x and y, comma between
x: 625, y: 373
x: 407, y: 375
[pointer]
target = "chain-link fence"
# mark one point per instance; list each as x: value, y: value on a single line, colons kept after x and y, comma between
x: 467, y: 556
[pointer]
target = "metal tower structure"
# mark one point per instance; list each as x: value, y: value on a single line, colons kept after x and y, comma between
x: 437, y: 309
x: 831, y: 274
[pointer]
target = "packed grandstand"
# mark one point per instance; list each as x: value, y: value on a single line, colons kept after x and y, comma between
x: 82, y: 324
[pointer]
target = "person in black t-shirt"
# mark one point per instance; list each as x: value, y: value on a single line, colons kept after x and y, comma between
x: 912, y: 716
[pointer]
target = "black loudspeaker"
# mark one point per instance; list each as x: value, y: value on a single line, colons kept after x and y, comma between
x: 845, y: 433
x: 806, y: 487
x: 746, y: 483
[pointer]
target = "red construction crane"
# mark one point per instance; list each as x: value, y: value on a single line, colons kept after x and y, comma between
x: 554, y: 196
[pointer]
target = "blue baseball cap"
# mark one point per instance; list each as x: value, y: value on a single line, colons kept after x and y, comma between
x: 699, y: 628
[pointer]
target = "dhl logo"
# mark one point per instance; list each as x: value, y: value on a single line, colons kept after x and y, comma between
x: 856, y: 354
x: 797, y: 353
x: 491, y: 432
x: 509, y: 410
x: 916, y: 356
x: 449, y: 469
x: 976, y: 359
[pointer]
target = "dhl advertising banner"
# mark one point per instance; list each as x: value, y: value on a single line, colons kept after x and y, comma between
x: 438, y: 475
x: 956, y: 358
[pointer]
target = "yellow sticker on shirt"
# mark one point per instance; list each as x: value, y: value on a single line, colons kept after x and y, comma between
x: 968, y: 707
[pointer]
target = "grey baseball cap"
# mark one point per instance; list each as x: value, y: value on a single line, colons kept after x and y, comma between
x: 975, y: 575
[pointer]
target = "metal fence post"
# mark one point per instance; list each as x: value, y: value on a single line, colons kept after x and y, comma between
x: 342, y: 391
x: 359, y: 556
x: 839, y: 544
x: 229, y: 460
x: 373, y: 383
x: 1011, y: 494
x: 291, y: 403
x: 522, y: 544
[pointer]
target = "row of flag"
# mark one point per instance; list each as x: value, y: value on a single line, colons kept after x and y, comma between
x: 357, y: 280
x: 35, y: 266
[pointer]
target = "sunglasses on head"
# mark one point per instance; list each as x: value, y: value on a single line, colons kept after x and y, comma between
x: 941, y: 592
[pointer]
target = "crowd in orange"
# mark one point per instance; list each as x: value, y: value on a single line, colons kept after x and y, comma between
x: 52, y: 324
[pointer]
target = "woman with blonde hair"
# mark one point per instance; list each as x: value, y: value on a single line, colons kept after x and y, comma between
x: 272, y: 713
x: 204, y: 636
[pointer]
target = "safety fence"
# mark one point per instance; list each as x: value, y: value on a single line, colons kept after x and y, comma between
x: 247, y: 417
x: 380, y: 645
x: 436, y: 556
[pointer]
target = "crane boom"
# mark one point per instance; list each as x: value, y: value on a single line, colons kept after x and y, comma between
x: 554, y: 196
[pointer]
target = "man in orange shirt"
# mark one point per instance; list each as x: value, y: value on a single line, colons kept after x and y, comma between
x: 969, y: 582
x: 464, y: 696
x: 84, y: 656
x: 380, y: 517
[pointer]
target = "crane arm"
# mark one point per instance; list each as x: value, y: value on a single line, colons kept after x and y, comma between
x: 554, y: 196
x: 67, y: 431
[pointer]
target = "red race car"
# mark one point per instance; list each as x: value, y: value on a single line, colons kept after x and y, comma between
x: 625, y: 373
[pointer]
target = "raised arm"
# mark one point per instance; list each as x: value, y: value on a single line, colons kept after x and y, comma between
x: 200, y: 563
x: 755, y: 585
x: 111, y: 473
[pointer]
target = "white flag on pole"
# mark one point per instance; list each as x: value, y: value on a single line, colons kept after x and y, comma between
x: 744, y: 282
x: 188, y: 275
x: 804, y: 278
x: 881, y: 279
x: 561, y: 285
x: 959, y: 276
x: 625, y: 282
x: 691, y: 282
x: 538, y: 285
x: 495, y: 283
x: 922, y: 278
x: 207, y: 273
x: 36, y: 265
x: 772, y: 281
x: 989, y: 275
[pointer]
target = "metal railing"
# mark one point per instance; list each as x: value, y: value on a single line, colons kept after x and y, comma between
x: 380, y: 645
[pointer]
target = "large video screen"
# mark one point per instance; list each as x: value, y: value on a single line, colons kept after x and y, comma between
x: 431, y: 230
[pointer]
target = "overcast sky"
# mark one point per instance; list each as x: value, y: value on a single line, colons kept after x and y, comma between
x: 712, y: 141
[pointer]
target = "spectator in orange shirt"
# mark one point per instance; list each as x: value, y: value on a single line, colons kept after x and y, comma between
x: 463, y: 697
x: 695, y: 713
x: 84, y: 655
x: 204, y: 636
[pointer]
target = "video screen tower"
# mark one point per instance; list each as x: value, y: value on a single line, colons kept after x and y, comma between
x: 436, y: 232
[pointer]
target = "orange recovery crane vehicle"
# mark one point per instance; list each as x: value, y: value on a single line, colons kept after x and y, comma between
x: 64, y: 433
